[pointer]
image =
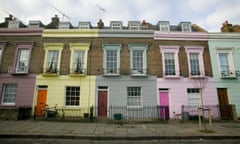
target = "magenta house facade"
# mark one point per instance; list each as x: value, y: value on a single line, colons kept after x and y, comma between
x: 19, y: 49
x: 186, y: 78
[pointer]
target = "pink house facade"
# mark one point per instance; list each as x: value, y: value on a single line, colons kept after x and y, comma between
x: 186, y: 78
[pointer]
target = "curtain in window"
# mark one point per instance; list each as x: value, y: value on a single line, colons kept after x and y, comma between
x: 78, y: 62
x: 52, y: 60
x: 137, y: 60
x: 22, y: 61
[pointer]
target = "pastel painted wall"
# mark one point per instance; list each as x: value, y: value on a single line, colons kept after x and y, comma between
x: 57, y: 85
x: 25, y: 88
x: 231, y: 41
x: 178, y: 95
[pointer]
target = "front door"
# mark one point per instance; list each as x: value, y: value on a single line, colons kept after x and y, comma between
x: 164, y: 105
x: 41, y: 102
x: 225, y: 108
x: 102, y: 103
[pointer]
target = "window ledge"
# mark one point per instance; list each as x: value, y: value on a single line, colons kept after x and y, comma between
x: 50, y: 74
x: 196, y: 76
x: 139, y: 75
x: 111, y: 74
x: 229, y: 77
x: 171, y: 76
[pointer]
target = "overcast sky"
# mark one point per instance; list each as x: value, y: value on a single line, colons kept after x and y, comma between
x: 209, y: 14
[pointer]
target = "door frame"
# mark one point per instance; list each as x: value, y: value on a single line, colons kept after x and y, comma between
x: 103, y: 88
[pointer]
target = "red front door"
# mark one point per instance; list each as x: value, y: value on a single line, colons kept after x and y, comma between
x: 102, y: 103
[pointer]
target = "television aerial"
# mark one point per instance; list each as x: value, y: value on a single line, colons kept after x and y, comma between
x: 100, y: 10
x: 10, y: 14
x: 63, y: 14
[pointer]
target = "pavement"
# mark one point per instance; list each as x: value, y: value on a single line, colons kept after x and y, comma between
x: 111, y: 131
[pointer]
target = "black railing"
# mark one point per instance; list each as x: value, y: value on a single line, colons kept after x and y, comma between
x: 192, y: 112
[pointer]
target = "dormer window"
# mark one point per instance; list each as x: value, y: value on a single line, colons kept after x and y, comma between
x: 186, y: 26
x: 64, y: 25
x: 13, y: 24
x: 34, y: 24
x: 134, y: 25
x: 116, y: 25
x: 164, y: 26
x: 84, y: 25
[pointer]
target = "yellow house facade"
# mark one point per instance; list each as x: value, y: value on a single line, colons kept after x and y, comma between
x: 65, y: 82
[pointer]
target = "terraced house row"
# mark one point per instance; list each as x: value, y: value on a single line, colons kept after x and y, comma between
x: 139, y: 70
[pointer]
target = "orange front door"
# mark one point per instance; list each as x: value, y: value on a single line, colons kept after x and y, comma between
x: 41, y: 102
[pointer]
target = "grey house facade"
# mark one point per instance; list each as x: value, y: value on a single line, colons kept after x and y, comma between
x: 127, y: 82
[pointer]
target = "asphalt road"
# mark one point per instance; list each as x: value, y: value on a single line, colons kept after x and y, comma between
x: 81, y: 141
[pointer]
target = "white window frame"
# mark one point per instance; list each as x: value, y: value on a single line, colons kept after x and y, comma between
x: 194, y: 97
x: 10, y: 93
x: 52, y: 47
x: 116, y: 25
x: 143, y: 48
x: 199, y: 50
x: 138, y: 97
x: 186, y: 27
x: 13, y: 24
x: 79, y: 96
x: 20, y: 57
x: 64, y: 25
x: 134, y: 25
x: 164, y: 26
x: 117, y: 48
x: 170, y: 49
x: 84, y: 25
x: 229, y: 52
x: 77, y: 47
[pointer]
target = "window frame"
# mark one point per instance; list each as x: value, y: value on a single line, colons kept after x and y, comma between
x: 164, y: 26
x: 186, y: 27
x: 110, y: 47
x: 52, y: 47
x: 79, y: 96
x: 229, y: 52
x: 170, y: 49
x: 194, y: 96
x: 138, y: 47
x: 116, y: 25
x: 134, y: 25
x: 20, y: 46
x: 4, y: 94
x: 139, y: 98
x: 77, y: 47
x: 199, y: 50
x: 84, y: 25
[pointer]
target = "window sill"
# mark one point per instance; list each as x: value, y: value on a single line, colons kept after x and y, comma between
x: 228, y: 77
x: 172, y: 76
x: 77, y: 75
x: 196, y: 76
x: 111, y: 74
x: 139, y: 75
x: 50, y: 74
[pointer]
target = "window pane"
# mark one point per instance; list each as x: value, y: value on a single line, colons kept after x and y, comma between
x: 111, y: 63
x: 72, y: 96
x: 193, y: 96
x: 9, y: 93
x: 137, y: 57
x: 194, y: 62
x: 169, y: 64
x: 52, y: 60
x: 223, y: 58
x: 78, y: 60
x: 22, y: 60
x: 134, y: 96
